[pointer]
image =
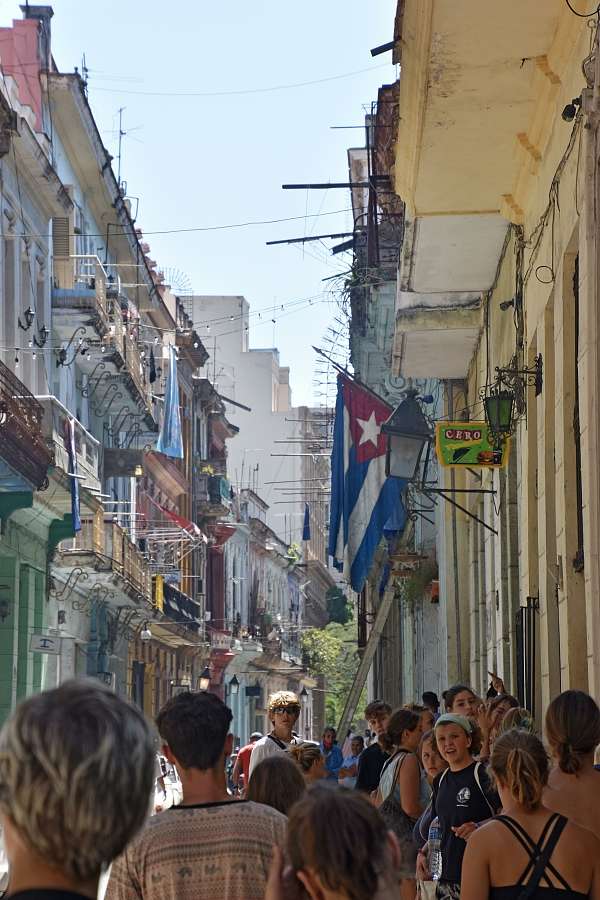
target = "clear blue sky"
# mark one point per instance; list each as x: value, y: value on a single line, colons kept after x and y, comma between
x: 196, y: 161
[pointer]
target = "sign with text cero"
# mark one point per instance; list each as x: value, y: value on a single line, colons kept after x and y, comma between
x: 44, y: 643
x: 468, y: 444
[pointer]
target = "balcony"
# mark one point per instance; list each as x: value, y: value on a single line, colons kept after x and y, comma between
x: 54, y: 428
x: 107, y: 556
x: 22, y: 446
x: 213, y: 495
x: 86, y: 312
x: 79, y: 296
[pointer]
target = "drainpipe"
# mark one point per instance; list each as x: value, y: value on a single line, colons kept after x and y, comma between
x: 459, y: 671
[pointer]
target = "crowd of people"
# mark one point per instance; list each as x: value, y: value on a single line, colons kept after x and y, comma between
x: 466, y: 802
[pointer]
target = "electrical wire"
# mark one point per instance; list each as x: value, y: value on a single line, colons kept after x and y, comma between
x: 202, y: 228
x: 242, y: 91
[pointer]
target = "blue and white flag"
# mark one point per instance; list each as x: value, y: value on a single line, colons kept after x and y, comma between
x: 170, y: 441
x: 363, y: 499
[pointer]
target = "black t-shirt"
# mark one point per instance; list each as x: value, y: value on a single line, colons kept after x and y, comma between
x: 457, y: 799
x: 370, y: 765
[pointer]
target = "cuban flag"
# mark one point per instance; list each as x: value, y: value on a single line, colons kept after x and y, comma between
x: 363, y: 499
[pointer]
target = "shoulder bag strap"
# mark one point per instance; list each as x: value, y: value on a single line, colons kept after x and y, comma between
x: 401, y: 756
x: 543, y: 859
x: 483, y: 793
x: 276, y: 740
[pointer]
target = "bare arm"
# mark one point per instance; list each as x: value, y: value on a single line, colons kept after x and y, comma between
x: 410, y: 783
x: 237, y: 771
x: 475, y: 880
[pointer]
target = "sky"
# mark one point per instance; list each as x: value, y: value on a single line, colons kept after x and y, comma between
x: 201, y: 161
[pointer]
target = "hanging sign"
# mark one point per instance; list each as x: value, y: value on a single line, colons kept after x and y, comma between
x: 468, y: 444
x: 44, y: 643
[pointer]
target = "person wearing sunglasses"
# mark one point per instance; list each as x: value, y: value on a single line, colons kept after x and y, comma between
x: 284, y: 710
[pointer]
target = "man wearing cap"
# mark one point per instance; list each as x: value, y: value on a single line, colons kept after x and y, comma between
x: 241, y: 770
x: 284, y: 710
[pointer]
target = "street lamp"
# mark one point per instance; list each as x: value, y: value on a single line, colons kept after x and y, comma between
x: 408, y: 434
x: 234, y: 686
x: 499, y: 406
x: 204, y: 680
x: 303, y: 695
x: 29, y: 317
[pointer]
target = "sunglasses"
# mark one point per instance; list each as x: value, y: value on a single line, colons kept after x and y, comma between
x: 290, y: 710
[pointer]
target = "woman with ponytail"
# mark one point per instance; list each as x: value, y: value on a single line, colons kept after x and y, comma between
x: 398, y: 794
x: 573, y: 733
x: 528, y: 851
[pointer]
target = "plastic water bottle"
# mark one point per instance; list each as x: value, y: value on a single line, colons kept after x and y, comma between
x: 435, y: 849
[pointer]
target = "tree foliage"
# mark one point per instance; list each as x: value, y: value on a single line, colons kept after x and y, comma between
x: 338, y: 608
x: 332, y: 652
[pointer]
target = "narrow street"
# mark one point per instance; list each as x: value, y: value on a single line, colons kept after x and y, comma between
x: 299, y: 441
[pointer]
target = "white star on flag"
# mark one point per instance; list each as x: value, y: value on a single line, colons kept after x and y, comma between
x: 370, y: 430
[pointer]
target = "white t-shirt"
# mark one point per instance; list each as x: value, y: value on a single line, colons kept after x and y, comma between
x: 267, y: 746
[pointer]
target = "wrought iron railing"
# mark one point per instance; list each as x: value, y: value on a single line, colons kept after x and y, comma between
x: 111, y: 541
x: 81, y: 280
x: 22, y: 442
x: 54, y: 422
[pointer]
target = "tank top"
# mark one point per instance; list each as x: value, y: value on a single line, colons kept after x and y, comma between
x: 547, y: 842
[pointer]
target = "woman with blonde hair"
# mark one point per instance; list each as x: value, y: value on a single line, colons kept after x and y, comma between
x: 519, y: 718
x: 310, y: 760
x: 573, y: 733
x: 528, y: 851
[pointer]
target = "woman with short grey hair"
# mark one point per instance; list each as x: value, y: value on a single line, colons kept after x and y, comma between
x: 76, y: 774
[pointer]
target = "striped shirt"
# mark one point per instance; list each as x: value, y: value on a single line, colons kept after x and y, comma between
x: 213, y: 851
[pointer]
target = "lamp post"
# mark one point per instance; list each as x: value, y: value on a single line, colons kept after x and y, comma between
x: 204, y: 680
x: 499, y: 406
x: 408, y: 434
x: 234, y: 686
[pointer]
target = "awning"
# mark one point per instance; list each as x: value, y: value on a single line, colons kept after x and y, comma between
x: 184, y: 523
x: 221, y: 534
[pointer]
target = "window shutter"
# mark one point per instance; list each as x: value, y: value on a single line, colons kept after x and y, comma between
x: 60, y: 236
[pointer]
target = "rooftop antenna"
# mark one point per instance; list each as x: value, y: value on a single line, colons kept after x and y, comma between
x: 84, y: 73
x: 121, y: 136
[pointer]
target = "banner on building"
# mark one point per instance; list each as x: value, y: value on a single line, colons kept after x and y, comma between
x: 170, y: 441
x: 159, y: 592
x: 468, y: 444
x: 73, y: 474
